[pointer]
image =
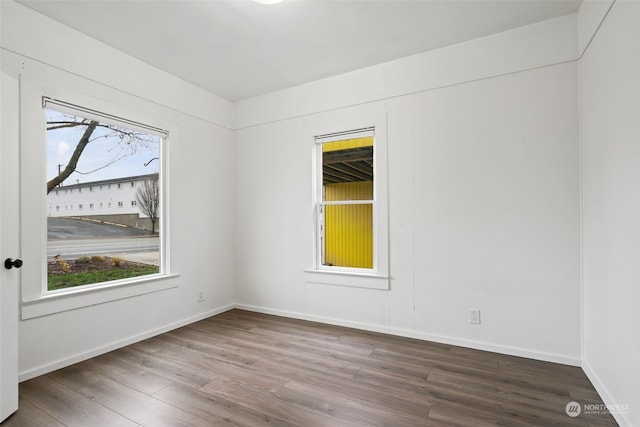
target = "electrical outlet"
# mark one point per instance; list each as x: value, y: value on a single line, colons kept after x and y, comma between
x: 474, y: 316
x: 200, y: 295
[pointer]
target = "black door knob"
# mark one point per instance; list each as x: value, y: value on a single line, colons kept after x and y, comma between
x: 10, y: 263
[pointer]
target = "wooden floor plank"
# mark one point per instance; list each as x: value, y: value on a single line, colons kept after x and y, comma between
x: 346, y: 407
x: 386, y: 403
x: 132, y: 375
x: 391, y: 381
x: 206, y: 405
x: 174, y: 370
x: 499, y: 399
x: 141, y: 408
x: 68, y: 406
x: 30, y: 415
x: 272, y: 407
x: 247, y: 369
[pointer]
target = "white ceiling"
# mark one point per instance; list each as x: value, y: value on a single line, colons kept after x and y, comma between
x: 238, y: 49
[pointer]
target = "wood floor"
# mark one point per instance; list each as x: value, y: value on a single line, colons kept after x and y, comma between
x: 247, y: 369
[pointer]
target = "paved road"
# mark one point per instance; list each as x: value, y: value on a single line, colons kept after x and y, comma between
x: 73, y: 238
x: 74, y: 248
x: 69, y: 228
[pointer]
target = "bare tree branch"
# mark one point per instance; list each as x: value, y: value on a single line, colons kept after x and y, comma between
x: 129, y: 142
x: 62, y: 125
x: 109, y: 163
x: 73, y: 162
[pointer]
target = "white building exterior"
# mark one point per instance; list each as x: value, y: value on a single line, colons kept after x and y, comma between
x: 108, y: 197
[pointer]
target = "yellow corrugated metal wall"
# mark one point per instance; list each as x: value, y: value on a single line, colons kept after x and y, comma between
x: 344, y: 144
x: 349, y: 228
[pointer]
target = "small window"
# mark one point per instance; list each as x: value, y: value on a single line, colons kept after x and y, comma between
x: 345, y: 205
x: 351, y: 244
x: 80, y: 206
x: 133, y: 184
x: 119, y: 203
x: 90, y: 205
x: 90, y: 188
x: 133, y: 203
x: 119, y: 185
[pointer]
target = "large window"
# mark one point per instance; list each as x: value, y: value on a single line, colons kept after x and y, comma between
x: 351, y: 243
x: 87, y: 149
x: 76, y: 146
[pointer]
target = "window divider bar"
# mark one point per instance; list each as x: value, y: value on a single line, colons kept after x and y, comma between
x: 347, y: 202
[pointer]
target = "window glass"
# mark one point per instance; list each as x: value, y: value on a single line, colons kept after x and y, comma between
x: 345, y: 218
x: 347, y: 169
x: 348, y: 236
x: 89, y: 247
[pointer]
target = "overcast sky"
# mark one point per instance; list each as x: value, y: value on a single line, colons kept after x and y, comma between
x: 120, y: 159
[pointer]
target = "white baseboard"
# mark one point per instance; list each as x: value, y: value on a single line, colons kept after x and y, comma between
x: 512, y: 351
x: 620, y: 417
x: 67, y: 361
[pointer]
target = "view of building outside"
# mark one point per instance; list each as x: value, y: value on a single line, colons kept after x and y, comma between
x: 103, y: 201
x: 346, y: 214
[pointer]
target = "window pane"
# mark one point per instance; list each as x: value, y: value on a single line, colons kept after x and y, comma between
x: 349, y: 191
x: 111, y: 240
x: 348, y: 236
x: 347, y: 169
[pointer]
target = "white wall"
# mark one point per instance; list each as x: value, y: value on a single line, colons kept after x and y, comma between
x: 201, y: 153
x: 610, y: 128
x: 483, y: 190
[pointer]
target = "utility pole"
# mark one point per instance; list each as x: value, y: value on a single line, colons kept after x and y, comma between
x: 59, y: 171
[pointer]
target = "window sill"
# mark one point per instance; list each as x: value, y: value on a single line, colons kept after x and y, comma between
x: 83, y: 297
x: 348, y: 278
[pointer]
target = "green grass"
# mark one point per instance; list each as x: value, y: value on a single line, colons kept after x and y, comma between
x: 69, y: 280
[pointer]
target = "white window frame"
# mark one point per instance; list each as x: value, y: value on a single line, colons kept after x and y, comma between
x: 36, y: 300
x: 378, y: 276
